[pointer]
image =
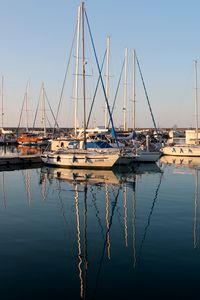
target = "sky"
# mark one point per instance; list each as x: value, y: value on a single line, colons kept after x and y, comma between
x: 36, y: 37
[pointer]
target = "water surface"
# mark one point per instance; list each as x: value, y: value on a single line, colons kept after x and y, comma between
x: 101, y: 234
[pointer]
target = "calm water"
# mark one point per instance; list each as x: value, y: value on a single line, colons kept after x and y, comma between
x: 101, y: 235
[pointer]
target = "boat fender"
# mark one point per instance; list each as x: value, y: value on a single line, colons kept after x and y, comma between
x: 58, y: 158
x: 73, y: 158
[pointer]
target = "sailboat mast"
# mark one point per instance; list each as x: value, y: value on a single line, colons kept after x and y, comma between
x: 196, y: 100
x: 107, y: 78
x: 134, y: 87
x: 83, y: 69
x: 77, y: 70
x: 26, y: 104
x: 125, y: 88
x: 2, y: 100
x: 43, y: 109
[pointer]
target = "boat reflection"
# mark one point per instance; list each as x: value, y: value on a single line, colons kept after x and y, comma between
x: 27, y: 150
x: 145, y: 168
x: 89, y: 188
x: 116, y: 176
x: 91, y: 177
x: 19, y: 149
x: 191, y: 162
x: 82, y: 175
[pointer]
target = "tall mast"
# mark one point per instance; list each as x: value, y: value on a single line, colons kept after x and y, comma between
x: 83, y: 67
x: 196, y: 100
x: 77, y: 70
x: 26, y: 104
x: 107, y: 78
x: 125, y: 88
x: 134, y: 87
x: 2, y: 113
x: 43, y: 109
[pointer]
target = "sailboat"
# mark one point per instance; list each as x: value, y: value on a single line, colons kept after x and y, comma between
x: 146, y: 154
x: 82, y: 157
x: 140, y: 153
x: 188, y: 149
x: 30, y: 138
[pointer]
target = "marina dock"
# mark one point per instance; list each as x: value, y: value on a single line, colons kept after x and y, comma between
x: 14, y: 159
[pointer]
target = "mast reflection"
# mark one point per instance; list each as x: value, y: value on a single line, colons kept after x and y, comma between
x: 117, y: 188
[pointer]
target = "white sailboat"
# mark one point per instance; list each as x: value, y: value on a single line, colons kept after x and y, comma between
x: 145, y: 154
x: 83, y: 157
x: 187, y: 149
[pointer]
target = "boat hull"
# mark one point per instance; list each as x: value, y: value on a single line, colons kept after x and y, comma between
x: 147, y: 156
x: 182, y: 150
x: 84, y: 159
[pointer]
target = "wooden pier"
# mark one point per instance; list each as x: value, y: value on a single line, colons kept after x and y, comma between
x: 28, y: 160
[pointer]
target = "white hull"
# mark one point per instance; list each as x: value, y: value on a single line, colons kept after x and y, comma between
x: 81, y: 159
x: 182, y: 150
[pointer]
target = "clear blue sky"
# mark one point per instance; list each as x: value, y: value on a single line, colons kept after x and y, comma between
x: 36, y: 36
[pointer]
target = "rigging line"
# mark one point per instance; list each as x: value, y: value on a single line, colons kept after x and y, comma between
x: 22, y: 108
x: 97, y: 212
x: 79, y: 240
x: 50, y: 108
x: 149, y: 218
x: 117, y: 90
x: 114, y: 204
x: 146, y: 94
x: 125, y: 216
x: 37, y: 107
x: 102, y: 83
x: 120, y: 219
x: 62, y: 210
x: 97, y: 85
x: 107, y: 223
x: 65, y: 77
x: 48, y: 122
